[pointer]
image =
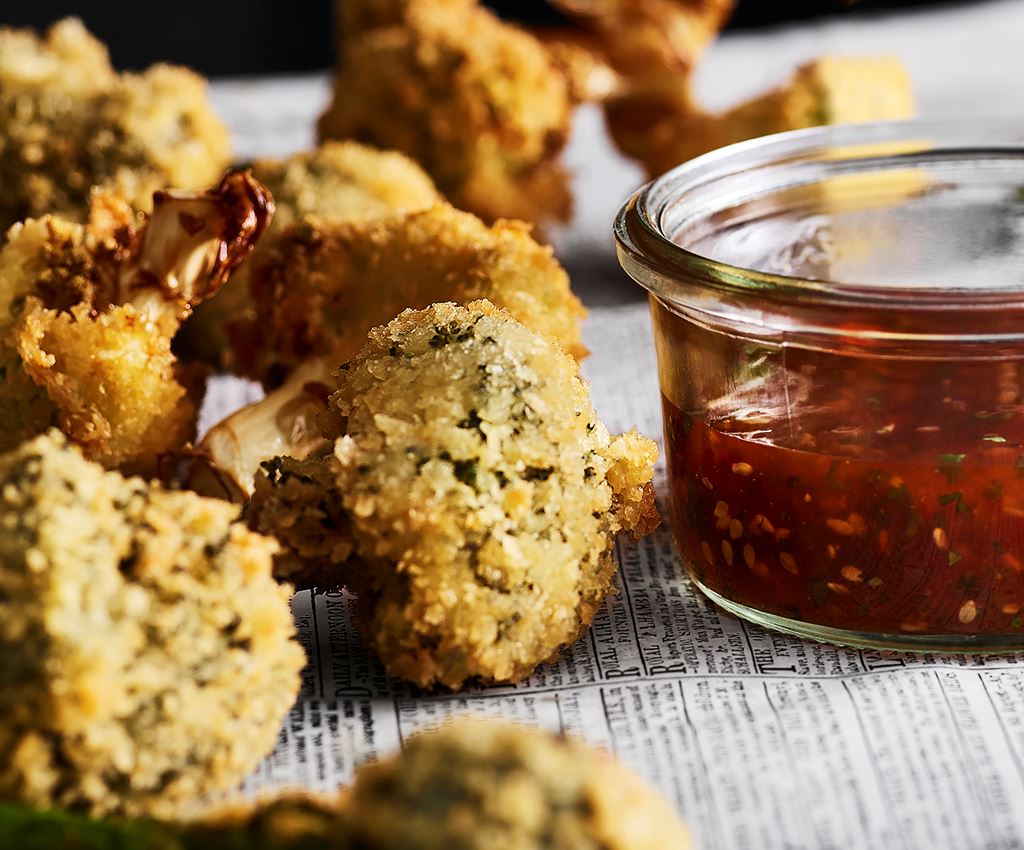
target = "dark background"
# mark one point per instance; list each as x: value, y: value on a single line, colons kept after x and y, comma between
x: 232, y: 37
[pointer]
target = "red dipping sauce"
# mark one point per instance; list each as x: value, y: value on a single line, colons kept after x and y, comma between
x: 846, y: 460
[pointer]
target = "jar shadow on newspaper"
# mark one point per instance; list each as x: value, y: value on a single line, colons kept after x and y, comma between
x: 838, y: 315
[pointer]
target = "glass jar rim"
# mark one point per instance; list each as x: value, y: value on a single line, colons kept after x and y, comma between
x: 651, y: 257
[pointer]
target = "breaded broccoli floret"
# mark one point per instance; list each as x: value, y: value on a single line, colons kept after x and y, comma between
x: 480, y: 104
x: 69, y: 122
x: 321, y: 287
x: 478, y: 785
x: 663, y: 128
x: 336, y: 182
x: 147, y: 657
x: 472, y: 785
x: 88, y: 312
x: 474, y: 498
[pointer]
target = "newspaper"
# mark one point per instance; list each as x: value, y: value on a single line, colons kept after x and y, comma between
x: 761, y: 740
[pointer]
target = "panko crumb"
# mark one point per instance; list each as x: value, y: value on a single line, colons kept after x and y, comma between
x: 147, y: 656
x: 483, y: 785
x: 476, y: 496
x: 69, y: 122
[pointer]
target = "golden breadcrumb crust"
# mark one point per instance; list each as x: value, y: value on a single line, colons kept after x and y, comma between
x: 112, y: 379
x: 321, y: 287
x: 147, y: 656
x: 299, y: 503
x: 107, y: 378
x: 475, y: 497
x: 69, y: 122
x: 480, y: 104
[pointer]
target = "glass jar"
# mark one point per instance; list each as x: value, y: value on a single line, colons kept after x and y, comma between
x: 838, y: 315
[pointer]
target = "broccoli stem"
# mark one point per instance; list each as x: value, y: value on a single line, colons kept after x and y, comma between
x: 191, y: 244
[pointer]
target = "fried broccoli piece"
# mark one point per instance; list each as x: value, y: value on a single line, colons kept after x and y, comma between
x: 581, y: 59
x: 473, y: 501
x: 88, y: 312
x: 69, y: 122
x: 147, y: 657
x: 320, y: 288
x: 480, y: 104
x: 472, y: 785
x: 336, y: 182
x: 478, y: 785
x: 663, y: 128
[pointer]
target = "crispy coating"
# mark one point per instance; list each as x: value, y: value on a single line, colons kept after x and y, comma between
x: 321, y: 287
x: 480, y: 104
x: 88, y: 312
x: 147, y: 656
x: 113, y: 379
x: 664, y: 128
x: 479, y: 785
x: 336, y: 182
x: 475, y: 497
x: 69, y: 122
